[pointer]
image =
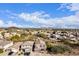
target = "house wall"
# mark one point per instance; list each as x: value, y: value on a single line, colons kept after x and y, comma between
x: 37, y: 47
x: 1, y: 47
x: 23, y: 46
x: 8, y: 45
x: 40, y: 46
x: 14, y: 50
x: 27, y: 47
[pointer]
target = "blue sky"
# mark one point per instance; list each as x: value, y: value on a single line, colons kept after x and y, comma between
x: 36, y: 15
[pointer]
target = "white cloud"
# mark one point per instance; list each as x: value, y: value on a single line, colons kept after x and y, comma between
x: 1, y: 23
x: 9, y: 24
x: 70, y: 6
x: 42, y: 19
x: 38, y: 20
x: 71, y: 21
x: 62, y: 6
x: 36, y: 17
x: 73, y: 7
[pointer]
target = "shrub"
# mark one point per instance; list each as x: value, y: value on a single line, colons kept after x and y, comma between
x: 1, y: 50
x: 42, y: 35
x: 15, y: 38
x: 31, y: 38
x: 71, y: 44
x: 49, y: 45
x: 57, y: 49
x: 24, y: 35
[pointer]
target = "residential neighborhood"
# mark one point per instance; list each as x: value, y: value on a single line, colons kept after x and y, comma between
x: 38, y: 42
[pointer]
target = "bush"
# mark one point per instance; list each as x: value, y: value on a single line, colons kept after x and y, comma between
x: 71, y: 44
x: 15, y: 38
x: 49, y: 44
x: 42, y: 35
x: 23, y: 35
x: 58, y: 49
x: 31, y: 38
x: 1, y: 50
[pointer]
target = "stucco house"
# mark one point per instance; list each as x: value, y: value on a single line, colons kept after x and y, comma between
x: 1, y: 36
x: 15, y: 47
x: 7, y: 35
x: 5, y: 44
x: 39, y: 45
x: 27, y: 46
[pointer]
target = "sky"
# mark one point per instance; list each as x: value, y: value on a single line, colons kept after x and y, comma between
x: 37, y: 15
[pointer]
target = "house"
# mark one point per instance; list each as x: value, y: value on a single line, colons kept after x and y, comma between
x: 7, y: 35
x: 39, y: 45
x: 14, y: 33
x: 73, y: 39
x: 57, y: 36
x: 27, y: 46
x: 71, y: 36
x: 15, y: 47
x: 5, y: 44
x: 1, y: 36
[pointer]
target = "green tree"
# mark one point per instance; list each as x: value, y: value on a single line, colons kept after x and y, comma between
x: 15, y: 38
x: 1, y: 50
x: 42, y: 35
x: 23, y: 35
